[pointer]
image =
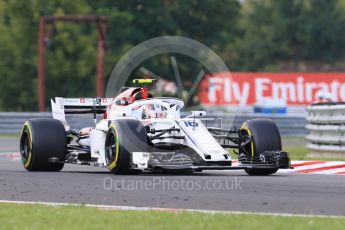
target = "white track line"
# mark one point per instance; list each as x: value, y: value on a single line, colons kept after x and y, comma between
x: 133, y: 208
x: 314, y: 166
x: 330, y: 171
x: 9, y: 153
x: 10, y: 156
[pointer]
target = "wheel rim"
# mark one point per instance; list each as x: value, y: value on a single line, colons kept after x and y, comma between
x: 110, y: 148
x: 249, y: 146
x: 25, y: 146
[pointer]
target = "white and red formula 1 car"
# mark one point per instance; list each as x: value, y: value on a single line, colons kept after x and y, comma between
x: 139, y: 132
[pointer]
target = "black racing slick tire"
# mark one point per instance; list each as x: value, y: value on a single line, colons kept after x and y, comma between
x: 265, y: 136
x: 40, y: 141
x: 124, y: 137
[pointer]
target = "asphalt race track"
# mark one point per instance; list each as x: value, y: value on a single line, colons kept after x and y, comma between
x: 221, y: 190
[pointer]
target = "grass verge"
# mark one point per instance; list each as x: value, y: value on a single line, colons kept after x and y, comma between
x: 13, y: 216
x: 9, y: 135
x: 297, y: 150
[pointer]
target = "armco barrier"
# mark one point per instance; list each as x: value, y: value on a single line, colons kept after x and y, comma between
x: 326, y: 127
x: 11, y: 122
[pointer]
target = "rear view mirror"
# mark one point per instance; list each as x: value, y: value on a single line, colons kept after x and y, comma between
x: 121, y: 102
x: 198, y: 114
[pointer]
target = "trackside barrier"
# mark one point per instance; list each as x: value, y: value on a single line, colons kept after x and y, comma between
x: 326, y: 127
x: 11, y: 122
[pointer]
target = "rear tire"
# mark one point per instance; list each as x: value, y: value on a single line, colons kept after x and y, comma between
x: 124, y: 137
x: 265, y: 137
x: 40, y: 140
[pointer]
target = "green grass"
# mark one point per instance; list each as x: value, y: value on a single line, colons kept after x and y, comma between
x: 9, y: 135
x: 301, y: 153
x: 78, y: 217
x: 296, y: 148
x: 297, y: 152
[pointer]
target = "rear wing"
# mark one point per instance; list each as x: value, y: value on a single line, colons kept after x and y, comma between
x: 62, y: 106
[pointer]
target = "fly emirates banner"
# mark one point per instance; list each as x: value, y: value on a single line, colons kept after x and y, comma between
x: 248, y: 88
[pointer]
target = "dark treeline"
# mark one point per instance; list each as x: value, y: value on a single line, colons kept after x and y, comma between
x: 249, y: 35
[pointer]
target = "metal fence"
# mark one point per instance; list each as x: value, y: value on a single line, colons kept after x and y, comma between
x: 326, y: 126
x: 11, y: 122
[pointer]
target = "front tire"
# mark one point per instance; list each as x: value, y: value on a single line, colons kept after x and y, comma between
x: 41, y: 140
x: 264, y: 136
x: 124, y: 137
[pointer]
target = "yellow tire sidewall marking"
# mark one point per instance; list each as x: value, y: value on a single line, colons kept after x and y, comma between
x: 113, y: 164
